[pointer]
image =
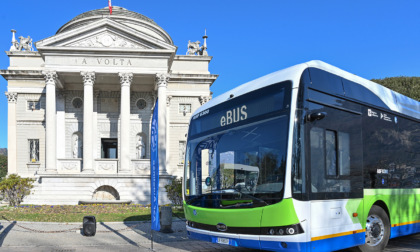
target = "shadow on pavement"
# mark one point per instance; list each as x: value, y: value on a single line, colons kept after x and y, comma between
x: 5, y: 232
x: 119, y: 234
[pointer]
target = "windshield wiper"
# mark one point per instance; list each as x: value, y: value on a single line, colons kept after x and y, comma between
x: 238, y: 204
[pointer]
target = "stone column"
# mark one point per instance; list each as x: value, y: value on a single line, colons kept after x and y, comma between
x: 96, y: 149
x: 162, y: 83
x: 125, y: 81
x: 61, y: 124
x: 88, y: 81
x: 50, y: 122
x: 11, y: 133
x: 168, y: 132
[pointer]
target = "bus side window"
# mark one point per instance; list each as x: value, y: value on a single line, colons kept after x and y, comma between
x: 330, y: 161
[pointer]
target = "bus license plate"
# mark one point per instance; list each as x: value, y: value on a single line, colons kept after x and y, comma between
x: 223, y: 240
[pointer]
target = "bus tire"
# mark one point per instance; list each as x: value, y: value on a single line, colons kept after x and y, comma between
x: 378, y: 229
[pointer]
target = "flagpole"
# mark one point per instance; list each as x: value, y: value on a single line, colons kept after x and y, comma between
x: 151, y: 239
x: 154, y: 174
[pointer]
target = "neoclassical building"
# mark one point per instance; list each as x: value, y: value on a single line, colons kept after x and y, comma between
x: 80, y: 107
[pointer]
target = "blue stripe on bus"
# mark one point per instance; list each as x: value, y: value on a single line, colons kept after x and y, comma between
x: 329, y: 244
x: 405, y: 230
x: 340, y: 242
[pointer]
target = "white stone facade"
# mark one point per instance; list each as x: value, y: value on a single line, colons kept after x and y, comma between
x: 80, y: 108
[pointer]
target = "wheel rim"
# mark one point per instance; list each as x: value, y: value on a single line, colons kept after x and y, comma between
x: 375, y: 230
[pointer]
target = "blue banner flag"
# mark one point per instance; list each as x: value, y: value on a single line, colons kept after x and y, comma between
x: 154, y: 170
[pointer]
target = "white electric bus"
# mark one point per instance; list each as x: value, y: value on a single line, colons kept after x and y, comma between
x: 309, y: 158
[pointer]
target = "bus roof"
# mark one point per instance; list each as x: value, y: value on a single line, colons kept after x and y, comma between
x: 395, y: 101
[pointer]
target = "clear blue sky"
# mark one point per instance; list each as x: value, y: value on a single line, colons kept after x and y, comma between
x: 248, y: 39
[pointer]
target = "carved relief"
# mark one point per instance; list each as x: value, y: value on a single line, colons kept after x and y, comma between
x: 106, y: 167
x: 69, y: 166
x: 107, y: 40
x: 11, y: 97
x: 140, y: 166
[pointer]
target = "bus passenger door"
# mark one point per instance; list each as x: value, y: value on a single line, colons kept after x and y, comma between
x: 334, y: 161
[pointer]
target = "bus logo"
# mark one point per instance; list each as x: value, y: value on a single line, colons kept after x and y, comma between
x: 221, y: 227
x: 372, y: 113
x: 234, y: 115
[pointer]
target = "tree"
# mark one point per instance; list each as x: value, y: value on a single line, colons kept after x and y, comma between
x: 408, y: 86
x: 14, y: 188
x: 3, y: 166
x: 174, y: 191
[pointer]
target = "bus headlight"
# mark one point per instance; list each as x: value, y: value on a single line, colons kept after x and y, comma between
x: 283, y: 230
x: 290, y: 231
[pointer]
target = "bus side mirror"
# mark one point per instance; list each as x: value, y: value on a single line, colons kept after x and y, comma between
x: 316, y: 116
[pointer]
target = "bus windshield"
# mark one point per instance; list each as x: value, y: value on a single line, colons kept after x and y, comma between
x: 242, y: 166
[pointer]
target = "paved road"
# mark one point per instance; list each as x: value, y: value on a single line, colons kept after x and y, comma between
x: 133, y: 236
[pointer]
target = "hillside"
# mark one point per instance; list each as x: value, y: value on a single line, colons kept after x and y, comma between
x: 3, y: 151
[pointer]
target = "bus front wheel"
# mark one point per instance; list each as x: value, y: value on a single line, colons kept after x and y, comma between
x: 377, y: 230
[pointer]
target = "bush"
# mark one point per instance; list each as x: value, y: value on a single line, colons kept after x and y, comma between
x: 14, y: 188
x: 174, y: 191
x: 3, y: 166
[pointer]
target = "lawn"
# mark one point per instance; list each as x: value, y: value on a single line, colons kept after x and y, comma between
x: 66, y: 213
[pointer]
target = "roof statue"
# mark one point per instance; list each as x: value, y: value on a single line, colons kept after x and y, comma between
x: 194, y: 48
x: 24, y: 43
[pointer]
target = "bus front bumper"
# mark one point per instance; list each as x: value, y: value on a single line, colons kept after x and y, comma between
x: 273, y: 243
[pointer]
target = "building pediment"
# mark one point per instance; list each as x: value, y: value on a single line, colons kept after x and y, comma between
x: 106, y: 46
x: 101, y: 35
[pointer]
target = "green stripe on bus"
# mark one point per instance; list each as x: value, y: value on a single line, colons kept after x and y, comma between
x: 403, y: 204
x: 280, y: 214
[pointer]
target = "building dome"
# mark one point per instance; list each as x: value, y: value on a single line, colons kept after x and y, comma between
x: 119, y: 14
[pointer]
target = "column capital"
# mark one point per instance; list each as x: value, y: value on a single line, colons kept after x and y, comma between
x: 88, y: 78
x: 50, y: 77
x: 203, y: 99
x: 161, y: 80
x: 11, y: 97
x: 125, y: 79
